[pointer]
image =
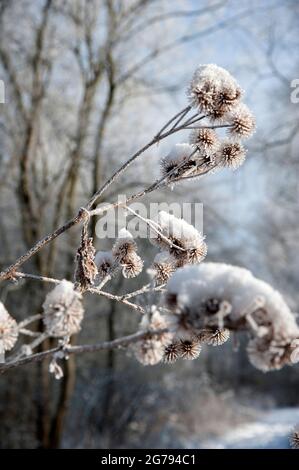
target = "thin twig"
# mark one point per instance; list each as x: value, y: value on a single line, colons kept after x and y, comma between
x: 117, y: 298
x: 85, y: 348
x: 142, y: 290
x: 8, y: 273
x: 29, y: 320
x: 35, y: 277
x: 153, y: 225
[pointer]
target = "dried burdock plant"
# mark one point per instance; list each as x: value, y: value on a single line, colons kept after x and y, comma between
x: 105, y: 264
x: 214, y: 336
x: 86, y: 268
x: 150, y: 350
x: 182, y: 241
x: 189, y: 348
x: 198, y: 303
x: 63, y: 310
x: 230, y: 154
x: 204, y: 140
x: 124, y: 247
x: 163, y: 266
x: 172, y: 353
x: 242, y: 122
x: 212, y: 299
x: 178, y: 160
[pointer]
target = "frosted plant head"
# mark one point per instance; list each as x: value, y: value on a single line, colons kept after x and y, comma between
x: 8, y: 330
x: 172, y: 352
x: 212, y: 298
x: 230, y: 155
x: 214, y: 336
x: 195, y: 300
x: 124, y: 246
x: 124, y: 252
x: 213, y: 90
x: 242, y: 122
x: 105, y: 263
x: 268, y: 354
x: 132, y: 265
x: 63, y: 310
x: 150, y: 350
x: 205, y: 140
x: 185, y: 243
x: 189, y: 348
x: 163, y: 267
x: 179, y: 159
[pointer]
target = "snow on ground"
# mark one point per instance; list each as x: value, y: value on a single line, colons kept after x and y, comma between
x: 271, y: 432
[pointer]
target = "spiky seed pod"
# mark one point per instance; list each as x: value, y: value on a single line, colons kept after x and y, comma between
x: 227, y: 98
x: 266, y: 355
x: 150, y: 350
x: 205, y: 140
x: 185, y: 243
x: 212, y: 89
x: 63, y: 310
x: 294, y: 439
x: 214, y: 337
x: 124, y: 246
x: 231, y: 155
x: 86, y: 269
x: 163, y: 266
x: 197, y: 254
x: 155, y: 321
x: 133, y: 265
x: 202, y: 95
x: 162, y: 272
x: 105, y: 263
x: 8, y: 330
x: 179, y: 159
x: 242, y: 122
x: 189, y: 348
x: 171, y: 353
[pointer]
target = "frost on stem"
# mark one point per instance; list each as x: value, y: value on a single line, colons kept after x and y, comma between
x: 210, y: 299
x: 8, y: 330
x: 171, y: 353
x: 150, y: 350
x: 63, y: 310
x: 180, y: 239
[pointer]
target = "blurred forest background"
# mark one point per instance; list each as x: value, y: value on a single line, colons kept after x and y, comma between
x: 87, y: 82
